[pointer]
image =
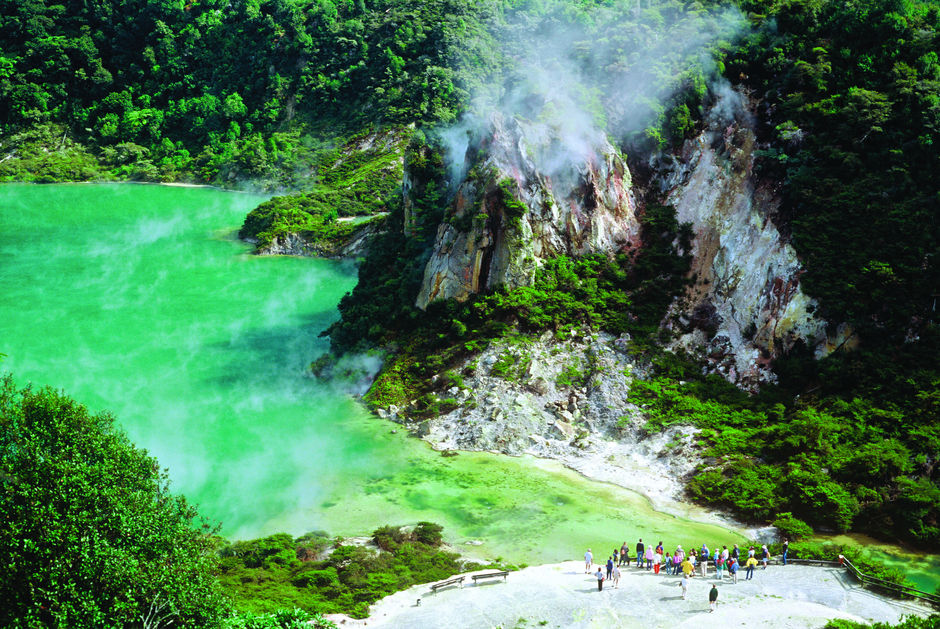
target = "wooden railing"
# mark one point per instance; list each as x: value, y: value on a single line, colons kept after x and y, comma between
x: 901, y: 591
x: 868, y: 581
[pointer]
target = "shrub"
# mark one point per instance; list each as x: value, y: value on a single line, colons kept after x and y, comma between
x: 348, y: 580
x: 428, y: 533
x: 91, y: 534
x: 388, y: 538
x: 792, y: 528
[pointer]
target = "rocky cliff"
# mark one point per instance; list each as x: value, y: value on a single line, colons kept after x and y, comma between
x: 746, y: 306
x: 528, y: 195
x: 353, y: 244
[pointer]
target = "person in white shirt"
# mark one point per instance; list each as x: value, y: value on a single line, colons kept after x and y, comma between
x: 588, y: 561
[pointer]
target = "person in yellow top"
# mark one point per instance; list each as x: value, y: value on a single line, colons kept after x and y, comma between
x: 750, y: 564
x: 687, y: 568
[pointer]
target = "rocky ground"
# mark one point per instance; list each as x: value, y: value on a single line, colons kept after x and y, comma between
x: 565, y: 399
x: 561, y: 595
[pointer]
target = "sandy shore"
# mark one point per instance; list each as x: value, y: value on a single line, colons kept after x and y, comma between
x: 562, y: 595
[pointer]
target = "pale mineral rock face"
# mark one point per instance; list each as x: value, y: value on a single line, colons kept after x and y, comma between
x: 747, y: 286
x: 528, y: 195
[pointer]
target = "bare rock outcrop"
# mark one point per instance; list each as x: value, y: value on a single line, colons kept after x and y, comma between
x: 565, y: 399
x: 746, y: 307
x: 528, y: 195
x: 306, y: 244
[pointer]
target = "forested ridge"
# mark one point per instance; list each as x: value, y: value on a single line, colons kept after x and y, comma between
x: 269, y: 92
x: 216, y: 90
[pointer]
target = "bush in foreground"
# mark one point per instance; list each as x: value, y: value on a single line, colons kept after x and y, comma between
x: 90, y: 534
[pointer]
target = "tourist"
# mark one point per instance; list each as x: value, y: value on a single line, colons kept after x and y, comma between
x: 713, y: 597
x: 750, y: 551
x: 616, y: 555
x: 719, y: 566
x: 667, y: 564
x: 657, y: 560
x: 639, y: 553
x: 599, y: 575
x: 588, y: 561
x: 687, y: 568
x: 676, y: 562
x: 725, y: 554
x: 750, y: 564
x: 786, y: 548
x: 736, y: 553
x: 610, y: 566
x: 733, y: 570
x: 703, y: 560
x: 703, y: 552
x: 649, y: 558
x: 624, y: 554
x: 659, y: 548
x: 685, y: 585
x: 765, y: 556
x: 616, y: 577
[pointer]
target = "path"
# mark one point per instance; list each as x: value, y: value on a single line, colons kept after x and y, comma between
x: 561, y: 595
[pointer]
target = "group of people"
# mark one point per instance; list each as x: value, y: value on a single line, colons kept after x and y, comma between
x: 679, y: 562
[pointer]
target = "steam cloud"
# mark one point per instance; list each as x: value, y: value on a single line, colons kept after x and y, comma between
x: 611, y: 72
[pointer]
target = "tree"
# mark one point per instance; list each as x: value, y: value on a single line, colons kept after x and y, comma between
x: 90, y: 534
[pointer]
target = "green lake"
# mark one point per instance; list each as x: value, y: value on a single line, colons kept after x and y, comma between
x: 140, y: 300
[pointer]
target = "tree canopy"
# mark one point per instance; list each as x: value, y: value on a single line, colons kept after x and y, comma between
x: 90, y: 534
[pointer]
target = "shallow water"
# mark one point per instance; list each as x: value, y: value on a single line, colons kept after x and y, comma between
x: 140, y: 300
x: 921, y: 569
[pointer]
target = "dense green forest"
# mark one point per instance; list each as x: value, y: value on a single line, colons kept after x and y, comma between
x: 217, y: 91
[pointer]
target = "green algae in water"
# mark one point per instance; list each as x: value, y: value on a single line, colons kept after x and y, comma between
x: 139, y: 300
x: 921, y: 569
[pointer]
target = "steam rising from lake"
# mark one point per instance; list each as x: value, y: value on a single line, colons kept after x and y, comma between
x: 138, y: 300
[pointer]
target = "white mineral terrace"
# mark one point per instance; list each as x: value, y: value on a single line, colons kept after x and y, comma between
x: 562, y: 595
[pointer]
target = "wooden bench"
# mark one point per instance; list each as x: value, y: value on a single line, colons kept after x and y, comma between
x: 443, y: 584
x: 489, y: 575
